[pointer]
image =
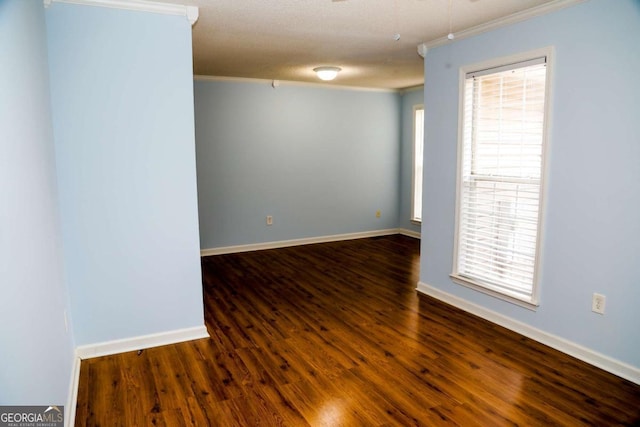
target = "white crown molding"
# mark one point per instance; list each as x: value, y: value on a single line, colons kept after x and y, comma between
x: 422, y: 49
x: 199, y: 77
x: 609, y: 364
x: 190, y: 12
x: 141, y: 342
x: 543, y: 9
x: 299, y: 242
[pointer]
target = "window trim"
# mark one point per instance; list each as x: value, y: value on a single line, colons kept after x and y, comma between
x: 518, y: 58
x: 416, y: 107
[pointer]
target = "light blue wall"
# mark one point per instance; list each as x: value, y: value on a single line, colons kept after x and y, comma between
x: 409, y: 100
x: 36, y: 353
x: 592, y: 229
x: 122, y: 96
x: 321, y: 161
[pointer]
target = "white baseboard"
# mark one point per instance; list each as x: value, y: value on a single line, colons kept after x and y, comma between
x: 298, y: 242
x: 409, y: 233
x: 72, y: 399
x: 138, y: 343
x: 609, y: 364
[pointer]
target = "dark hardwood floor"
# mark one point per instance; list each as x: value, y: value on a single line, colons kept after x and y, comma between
x: 334, y: 334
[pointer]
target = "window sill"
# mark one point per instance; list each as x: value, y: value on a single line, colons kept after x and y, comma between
x: 530, y: 305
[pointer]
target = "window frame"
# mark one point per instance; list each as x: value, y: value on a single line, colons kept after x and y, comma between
x: 414, y: 219
x: 515, y: 59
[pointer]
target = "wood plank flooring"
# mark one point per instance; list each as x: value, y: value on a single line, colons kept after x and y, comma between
x: 334, y: 334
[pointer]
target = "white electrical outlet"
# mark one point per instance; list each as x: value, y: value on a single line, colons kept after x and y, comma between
x: 598, y: 303
x: 269, y: 220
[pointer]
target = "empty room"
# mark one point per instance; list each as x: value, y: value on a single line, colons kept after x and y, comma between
x: 319, y: 212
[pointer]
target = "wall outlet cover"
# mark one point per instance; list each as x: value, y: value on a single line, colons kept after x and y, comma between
x: 598, y: 303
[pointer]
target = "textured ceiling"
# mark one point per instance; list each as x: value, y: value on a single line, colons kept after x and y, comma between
x: 286, y: 39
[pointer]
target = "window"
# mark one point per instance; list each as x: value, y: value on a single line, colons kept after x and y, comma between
x: 418, y: 143
x: 500, y: 175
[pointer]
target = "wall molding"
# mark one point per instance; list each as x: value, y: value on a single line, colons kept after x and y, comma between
x: 190, y: 12
x: 542, y: 9
x: 409, y: 233
x: 141, y: 342
x: 305, y: 241
x: 269, y: 82
x: 609, y: 364
x: 72, y: 398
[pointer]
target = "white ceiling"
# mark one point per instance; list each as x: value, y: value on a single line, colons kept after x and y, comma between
x: 286, y: 39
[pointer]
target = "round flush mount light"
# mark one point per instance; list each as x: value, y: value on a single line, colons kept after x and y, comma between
x: 327, y: 73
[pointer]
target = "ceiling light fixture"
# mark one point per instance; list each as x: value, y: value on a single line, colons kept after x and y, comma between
x: 327, y: 73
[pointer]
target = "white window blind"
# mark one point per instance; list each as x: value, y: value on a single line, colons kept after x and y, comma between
x: 500, y: 178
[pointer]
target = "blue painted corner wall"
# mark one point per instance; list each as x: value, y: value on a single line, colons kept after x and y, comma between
x: 320, y: 161
x: 98, y: 200
x: 36, y: 350
x: 591, y: 235
x: 122, y: 98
